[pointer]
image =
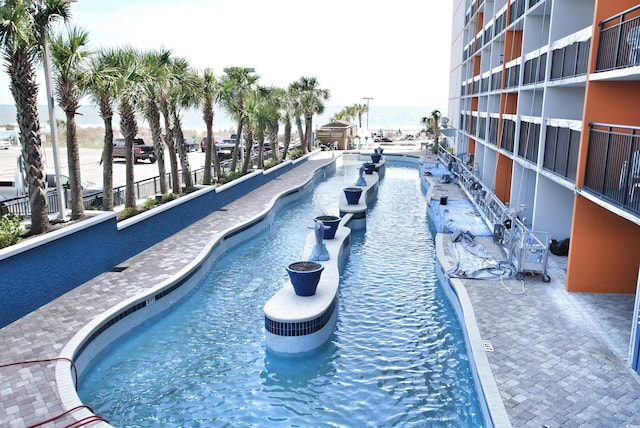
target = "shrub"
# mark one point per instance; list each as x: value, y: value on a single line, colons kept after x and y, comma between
x: 149, y: 203
x: 10, y: 230
x: 295, y: 153
x: 229, y: 176
x: 168, y: 197
x: 127, y: 212
x: 270, y: 163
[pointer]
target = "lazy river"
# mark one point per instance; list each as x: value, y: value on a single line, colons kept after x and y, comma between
x: 396, y: 358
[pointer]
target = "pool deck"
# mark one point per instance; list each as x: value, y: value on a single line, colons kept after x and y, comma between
x: 558, y: 358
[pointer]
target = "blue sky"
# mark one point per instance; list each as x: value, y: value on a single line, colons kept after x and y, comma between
x: 395, y: 52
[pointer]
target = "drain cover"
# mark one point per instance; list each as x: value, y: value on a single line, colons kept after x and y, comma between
x: 118, y: 269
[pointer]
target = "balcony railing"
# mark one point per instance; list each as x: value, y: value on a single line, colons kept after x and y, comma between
x: 508, y: 135
x: 535, y: 69
x: 571, y: 60
x: 529, y: 141
x: 613, y: 164
x: 619, y: 41
x: 561, y: 151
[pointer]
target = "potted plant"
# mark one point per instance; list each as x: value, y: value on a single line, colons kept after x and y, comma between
x: 369, y: 167
x: 375, y: 157
x: 305, y: 277
x: 352, y: 194
x: 331, y: 221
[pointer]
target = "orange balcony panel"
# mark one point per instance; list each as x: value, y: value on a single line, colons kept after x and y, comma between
x: 603, y: 253
x: 512, y: 45
x: 503, y: 178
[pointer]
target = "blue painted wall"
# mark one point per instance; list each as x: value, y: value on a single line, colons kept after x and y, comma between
x: 34, y: 277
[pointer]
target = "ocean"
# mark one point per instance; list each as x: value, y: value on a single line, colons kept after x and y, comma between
x: 381, y: 118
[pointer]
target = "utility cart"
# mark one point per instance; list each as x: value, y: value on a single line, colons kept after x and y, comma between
x: 529, y: 251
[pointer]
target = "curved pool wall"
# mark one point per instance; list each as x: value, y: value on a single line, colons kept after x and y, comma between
x: 98, y: 244
x: 93, y: 338
x: 100, y: 335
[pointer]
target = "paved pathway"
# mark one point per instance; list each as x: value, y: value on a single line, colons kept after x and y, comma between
x: 558, y: 357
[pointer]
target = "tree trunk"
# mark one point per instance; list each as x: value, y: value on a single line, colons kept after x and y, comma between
x: 308, y: 121
x: 73, y: 162
x: 287, y: 139
x: 107, y: 156
x: 236, y: 151
x: 247, y: 152
x: 129, y: 128
x: 153, y: 117
x: 25, y: 94
x: 300, y: 132
x: 169, y: 141
x: 187, y: 179
x: 275, y: 146
x: 210, y: 152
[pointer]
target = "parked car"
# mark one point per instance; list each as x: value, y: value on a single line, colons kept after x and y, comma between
x: 216, y: 141
x: 5, y: 145
x: 140, y: 150
x: 190, y: 144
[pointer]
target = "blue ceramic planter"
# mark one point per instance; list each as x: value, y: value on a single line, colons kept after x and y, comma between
x: 305, y: 277
x: 375, y: 157
x: 331, y: 221
x: 369, y: 167
x: 352, y: 194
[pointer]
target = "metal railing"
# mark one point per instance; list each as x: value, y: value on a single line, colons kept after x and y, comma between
x: 561, y: 151
x: 143, y: 189
x: 526, y: 249
x: 570, y: 61
x: 619, y: 45
x: 613, y: 164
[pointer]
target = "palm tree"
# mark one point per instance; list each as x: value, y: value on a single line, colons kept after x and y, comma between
x: 23, y: 28
x: 155, y: 64
x: 128, y: 83
x: 432, y: 124
x: 236, y: 84
x: 295, y: 90
x: 69, y: 56
x: 276, y: 102
x: 210, y: 93
x: 311, y: 102
x: 184, y: 93
x: 267, y: 117
x: 165, y: 89
x: 288, y: 113
x: 100, y: 83
x: 359, y: 110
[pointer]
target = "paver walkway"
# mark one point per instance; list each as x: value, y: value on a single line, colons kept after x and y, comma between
x: 559, y: 358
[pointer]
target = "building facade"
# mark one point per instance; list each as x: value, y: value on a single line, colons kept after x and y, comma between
x: 544, y: 101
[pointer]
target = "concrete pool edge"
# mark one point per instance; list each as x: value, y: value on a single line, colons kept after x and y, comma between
x: 457, y: 294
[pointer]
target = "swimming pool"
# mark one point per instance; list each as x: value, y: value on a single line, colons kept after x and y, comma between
x: 397, y: 356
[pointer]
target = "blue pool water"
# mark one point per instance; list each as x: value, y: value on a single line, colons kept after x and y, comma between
x: 397, y: 357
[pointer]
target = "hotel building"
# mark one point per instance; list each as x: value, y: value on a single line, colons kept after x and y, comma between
x: 544, y: 103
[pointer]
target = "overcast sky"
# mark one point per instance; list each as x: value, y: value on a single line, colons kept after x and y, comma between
x: 395, y: 52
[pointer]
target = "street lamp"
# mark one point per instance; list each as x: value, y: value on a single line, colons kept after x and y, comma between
x: 368, y: 99
x: 54, y: 131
